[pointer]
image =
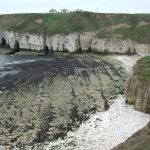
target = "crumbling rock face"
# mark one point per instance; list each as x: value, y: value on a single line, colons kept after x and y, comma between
x: 74, y: 42
x: 60, y: 43
x: 49, y: 98
x: 137, y: 91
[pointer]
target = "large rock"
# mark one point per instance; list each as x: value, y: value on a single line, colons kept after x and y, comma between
x: 137, y: 88
x: 137, y: 91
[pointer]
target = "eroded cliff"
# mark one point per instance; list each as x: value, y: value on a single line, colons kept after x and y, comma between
x: 137, y: 91
x: 74, y: 42
x: 137, y: 88
x: 78, y: 31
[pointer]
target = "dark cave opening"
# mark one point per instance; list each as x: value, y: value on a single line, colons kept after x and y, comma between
x: 3, y: 42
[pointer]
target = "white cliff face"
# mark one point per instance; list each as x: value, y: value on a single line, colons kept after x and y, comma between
x: 142, y: 49
x: 10, y: 37
x: 86, y: 40
x: 26, y: 41
x: 113, y: 45
x: 62, y: 43
x: 75, y: 41
x: 31, y: 42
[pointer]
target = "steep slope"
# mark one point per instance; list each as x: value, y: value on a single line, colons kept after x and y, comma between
x: 137, y: 92
x: 78, y: 31
x: 137, y: 88
x: 134, y: 26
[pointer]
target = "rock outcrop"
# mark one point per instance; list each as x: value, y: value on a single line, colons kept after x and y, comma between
x: 138, y: 141
x: 137, y: 88
x: 44, y: 102
x: 137, y: 91
x: 76, y: 41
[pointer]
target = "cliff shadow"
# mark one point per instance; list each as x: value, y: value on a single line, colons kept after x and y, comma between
x: 3, y: 42
x: 16, y: 47
x: 46, y: 50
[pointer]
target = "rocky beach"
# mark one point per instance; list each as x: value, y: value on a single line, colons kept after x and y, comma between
x: 49, y: 98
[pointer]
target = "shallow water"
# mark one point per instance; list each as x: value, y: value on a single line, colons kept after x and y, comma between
x: 13, y: 59
x: 7, y: 60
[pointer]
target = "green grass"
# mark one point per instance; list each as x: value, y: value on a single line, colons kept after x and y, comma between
x: 144, y: 68
x: 53, y: 23
x: 139, y: 34
x: 5, y: 51
x: 66, y: 23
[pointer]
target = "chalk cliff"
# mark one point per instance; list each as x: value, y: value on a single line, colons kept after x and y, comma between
x: 86, y: 41
x: 137, y: 88
x: 137, y: 91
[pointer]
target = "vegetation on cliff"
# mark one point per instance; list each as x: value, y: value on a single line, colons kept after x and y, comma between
x: 137, y: 88
x: 138, y: 92
x: 134, y: 26
x: 144, y: 68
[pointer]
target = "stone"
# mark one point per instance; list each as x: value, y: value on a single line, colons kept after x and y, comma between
x: 137, y: 91
x: 71, y: 87
x: 73, y: 42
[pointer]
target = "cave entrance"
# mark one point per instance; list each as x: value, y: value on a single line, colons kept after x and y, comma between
x: 46, y: 50
x: 16, y: 46
x: 3, y: 42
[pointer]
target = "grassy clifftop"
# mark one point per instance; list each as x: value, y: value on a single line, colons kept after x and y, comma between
x: 134, y: 26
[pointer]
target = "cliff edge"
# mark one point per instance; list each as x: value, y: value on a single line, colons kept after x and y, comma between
x: 137, y: 88
x: 137, y: 91
x: 77, y: 32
